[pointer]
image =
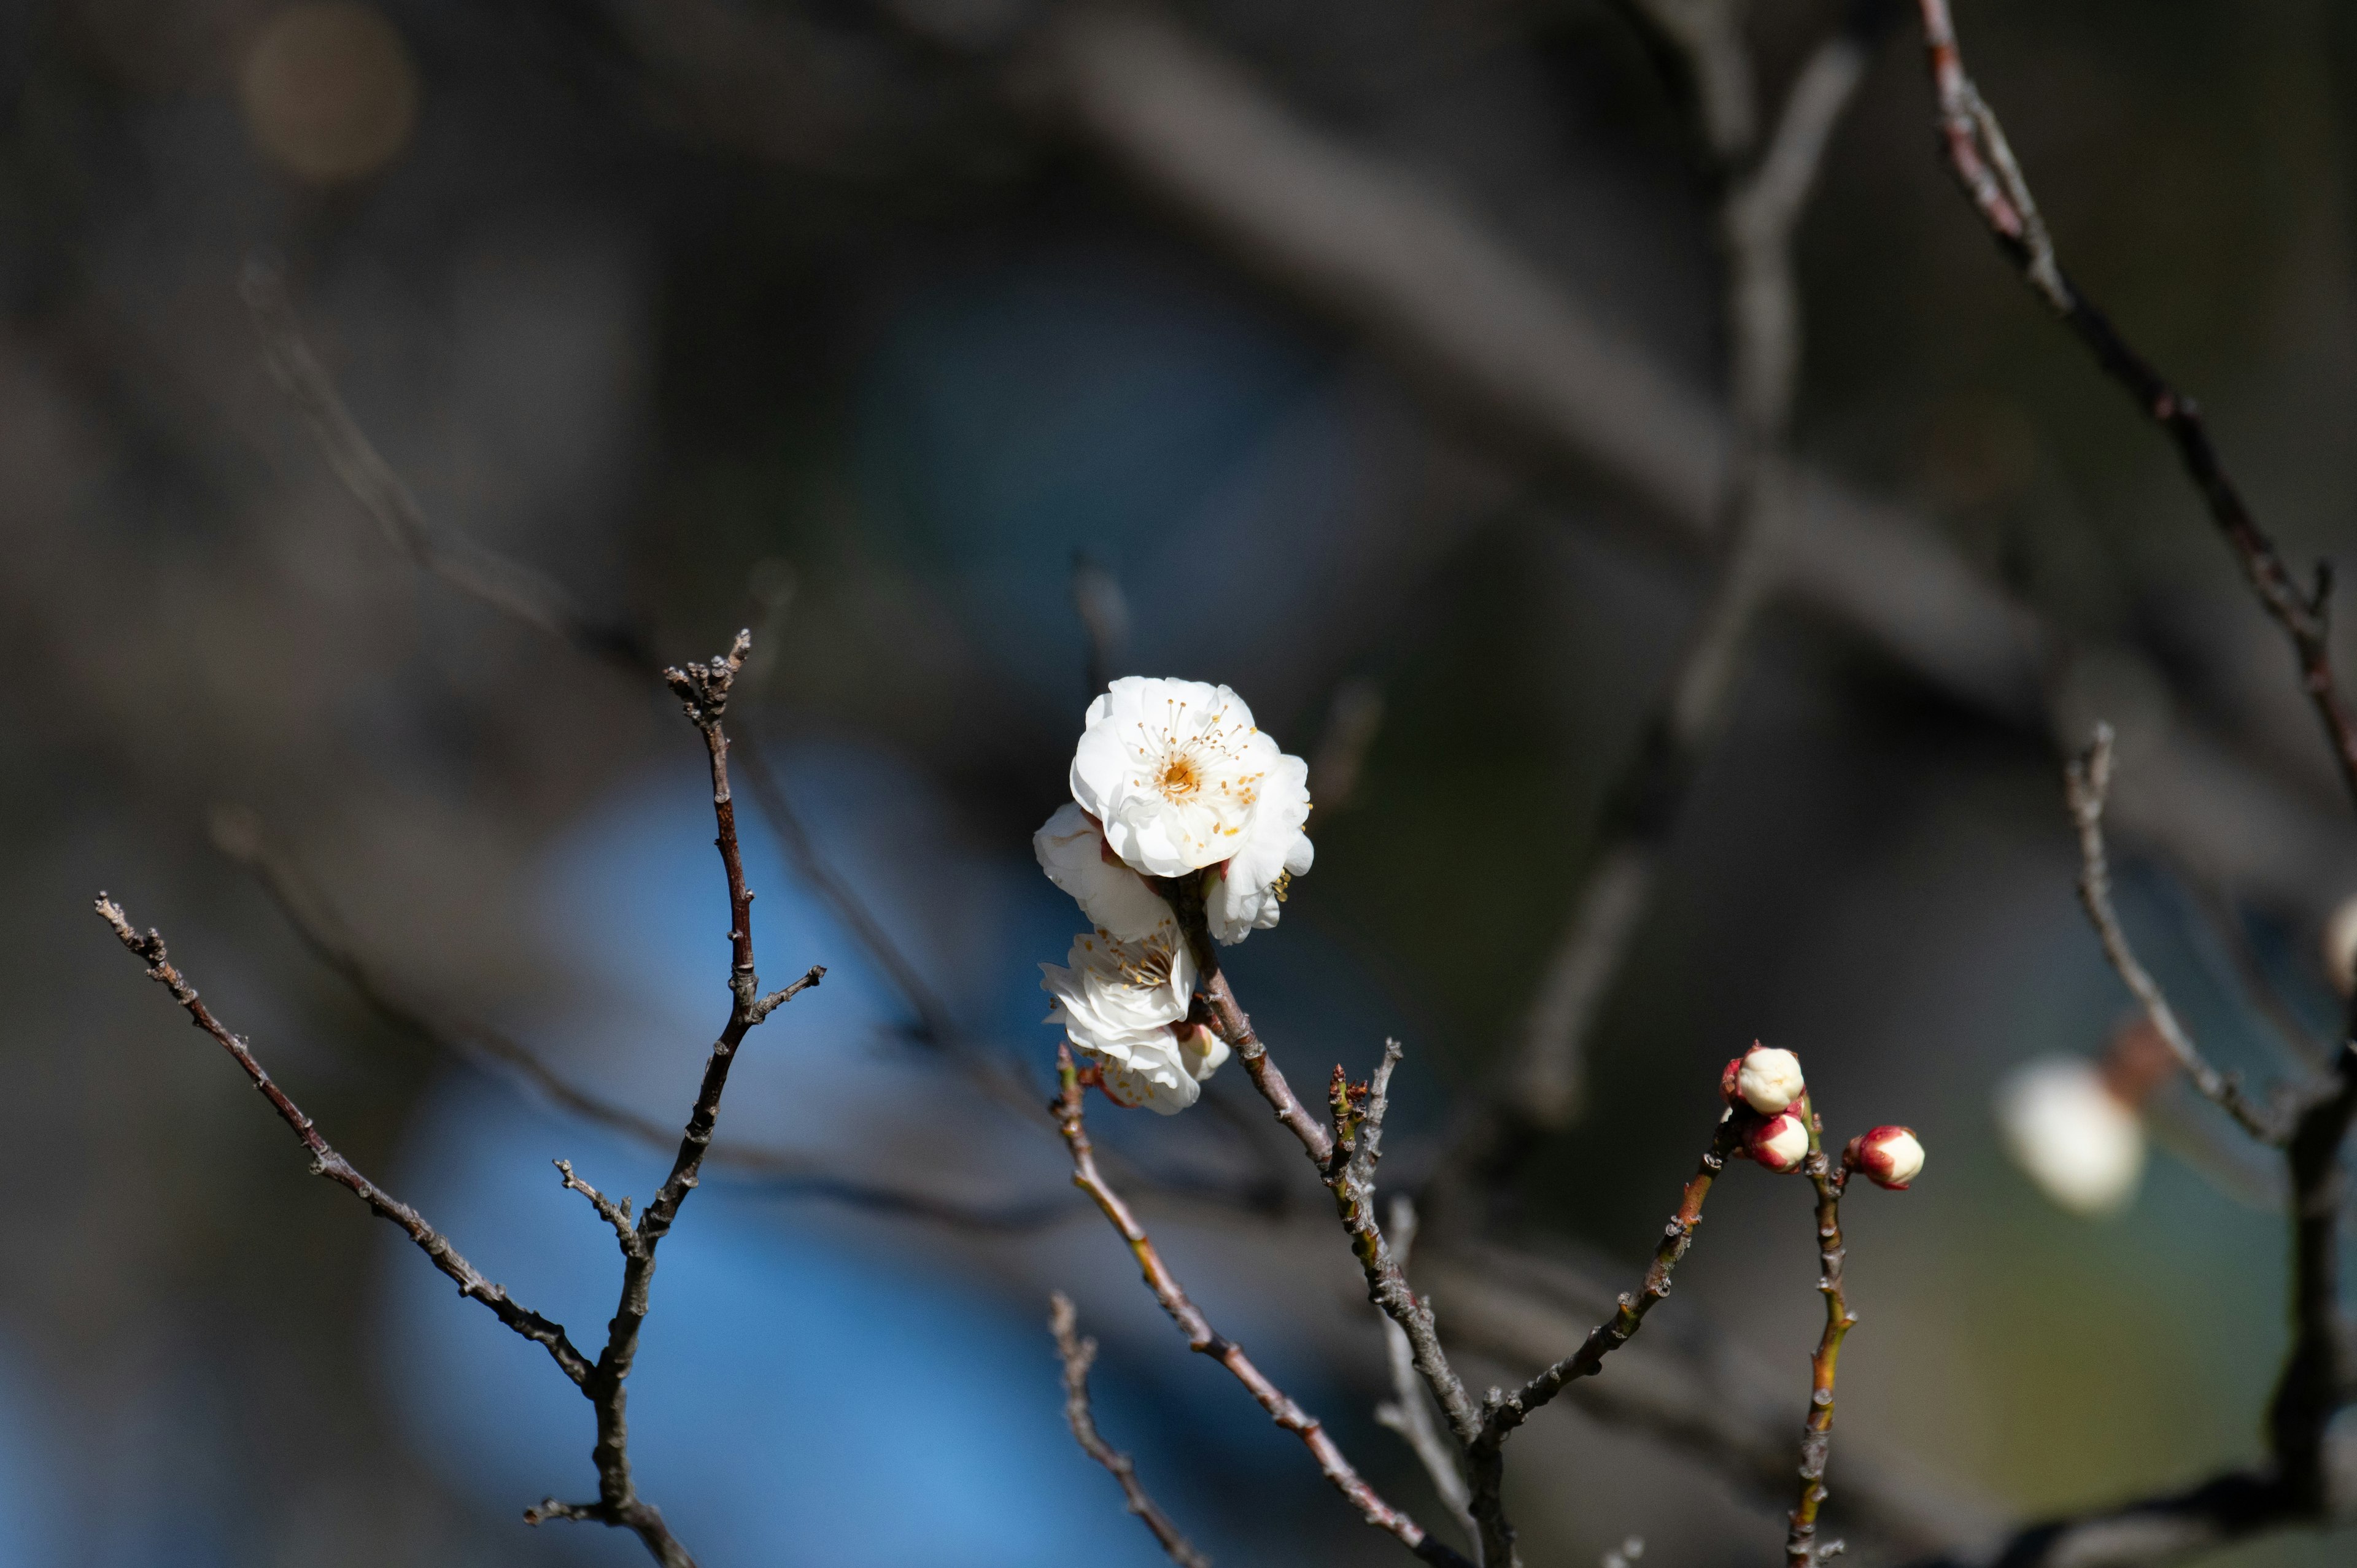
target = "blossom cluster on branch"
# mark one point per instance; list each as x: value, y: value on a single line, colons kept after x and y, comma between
x: 1177, y: 797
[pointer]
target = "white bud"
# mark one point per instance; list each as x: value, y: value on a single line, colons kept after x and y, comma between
x: 1890, y: 1157
x: 2339, y: 946
x: 1768, y: 1080
x: 2070, y: 1134
x: 1781, y: 1143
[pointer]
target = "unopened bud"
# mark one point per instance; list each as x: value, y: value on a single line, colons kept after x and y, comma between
x: 1763, y: 1078
x: 2070, y: 1131
x: 2339, y: 945
x: 1887, y: 1156
x: 1779, y: 1142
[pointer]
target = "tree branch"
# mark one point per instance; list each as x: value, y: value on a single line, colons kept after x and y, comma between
x: 1983, y: 164
x: 2087, y: 782
x: 326, y: 1162
x: 1078, y: 1356
x: 1801, y: 1548
x: 1204, y: 1340
x: 1409, y: 1410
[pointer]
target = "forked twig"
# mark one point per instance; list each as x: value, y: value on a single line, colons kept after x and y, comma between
x: 1079, y: 1355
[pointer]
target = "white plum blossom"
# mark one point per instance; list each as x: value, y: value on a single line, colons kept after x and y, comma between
x: 2066, y: 1128
x: 1247, y: 893
x: 1072, y: 851
x: 1174, y: 770
x: 1124, y: 1006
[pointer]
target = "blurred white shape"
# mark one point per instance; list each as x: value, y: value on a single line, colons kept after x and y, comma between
x: 1629, y: 1552
x: 329, y: 91
x: 2339, y: 946
x: 2077, y: 1142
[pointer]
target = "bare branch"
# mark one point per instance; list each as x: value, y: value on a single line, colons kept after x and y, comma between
x: 1204, y: 1340
x: 2087, y: 781
x: 326, y: 1162
x: 1409, y: 1410
x: 616, y: 1215
x: 1983, y: 164
x: 1503, y: 1413
x: 1104, y: 611
x: 1079, y: 1355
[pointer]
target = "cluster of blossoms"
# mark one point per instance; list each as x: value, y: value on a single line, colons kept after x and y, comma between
x: 1762, y: 1088
x: 1171, y: 781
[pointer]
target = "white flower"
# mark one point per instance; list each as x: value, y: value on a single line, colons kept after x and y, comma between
x: 1247, y: 893
x: 2067, y: 1130
x: 1072, y: 851
x: 1124, y: 1006
x: 1173, y: 769
x: 1765, y: 1079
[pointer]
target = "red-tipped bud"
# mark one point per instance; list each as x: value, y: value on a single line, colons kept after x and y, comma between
x: 1763, y: 1078
x: 1779, y: 1142
x: 1887, y: 1156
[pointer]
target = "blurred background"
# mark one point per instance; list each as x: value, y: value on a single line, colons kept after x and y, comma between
x: 1367, y: 358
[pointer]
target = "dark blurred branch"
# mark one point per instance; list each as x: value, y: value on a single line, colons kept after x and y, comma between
x: 1202, y: 1340
x: 505, y: 584
x: 1801, y: 1547
x: 1353, y: 718
x: 2086, y: 783
x: 1983, y: 164
x: 1079, y: 1355
x: 326, y: 1162
x: 779, y: 1172
x: 1539, y: 1087
x: 518, y: 591
x: 1104, y: 611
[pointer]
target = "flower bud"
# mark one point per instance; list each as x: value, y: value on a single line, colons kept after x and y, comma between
x: 1887, y: 1156
x: 2069, y: 1130
x: 1779, y: 1142
x: 1763, y: 1078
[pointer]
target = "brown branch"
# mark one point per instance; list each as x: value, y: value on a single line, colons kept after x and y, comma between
x: 1801, y: 1548
x: 1078, y: 1356
x: 1204, y: 1340
x: 2087, y: 782
x: 1503, y: 1412
x: 1983, y: 164
x: 326, y: 1162
x: 1409, y: 1411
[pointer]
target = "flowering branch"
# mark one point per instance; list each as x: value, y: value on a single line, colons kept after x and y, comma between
x: 1078, y: 1356
x: 1204, y: 1340
x: 1801, y: 1548
x: 2086, y: 784
x: 1983, y: 164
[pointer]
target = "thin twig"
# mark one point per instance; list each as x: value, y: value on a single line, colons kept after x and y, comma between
x: 326, y: 1162
x: 1983, y: 164
x: 1078, y: 1356
x: 2087, y: 782
x: 1409, y: 1411
x: 1204, y: 1340
x: 1503, y: 1411
x: 1801, y: 1548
